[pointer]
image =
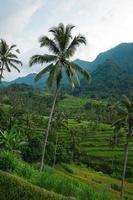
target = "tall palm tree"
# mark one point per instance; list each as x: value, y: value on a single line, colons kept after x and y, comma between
x: 62, y: 46
x: 8, y: 57
x: 58, y: 121
x: 125, y: 113
x: 114, y: 142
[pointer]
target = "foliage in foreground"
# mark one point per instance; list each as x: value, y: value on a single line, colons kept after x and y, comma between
x: 14, y: 188
x: 52, y: 180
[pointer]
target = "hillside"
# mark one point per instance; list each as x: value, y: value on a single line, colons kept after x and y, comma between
x: 122, y: 54
x: 84, y: 131
x: 64, y: 182
x: 112, y: 73
x: 14, y: 187
x: 109, y: 79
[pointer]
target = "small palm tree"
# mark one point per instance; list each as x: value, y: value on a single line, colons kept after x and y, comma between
x: 62, y: 47
x: 125, y: 113
x: 8, y: 57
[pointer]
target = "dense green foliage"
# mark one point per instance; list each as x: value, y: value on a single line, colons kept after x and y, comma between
x: 84, y: 138
x: 14, y: 188
x: 63, y: 144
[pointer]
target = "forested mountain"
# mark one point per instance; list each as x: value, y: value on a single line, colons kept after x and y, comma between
x: 109, y: 79
x: 112, y: 73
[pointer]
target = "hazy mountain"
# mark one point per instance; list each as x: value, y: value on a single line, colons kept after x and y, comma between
x: 28, y: 79
x: 111, y: 70
x: 121, y: 54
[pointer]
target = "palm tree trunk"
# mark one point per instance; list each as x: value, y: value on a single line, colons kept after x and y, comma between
x: 55, y: 152
x: 124, y: 169
x: 1, y: 73
x: 113, y: 157
x: 48, y: 128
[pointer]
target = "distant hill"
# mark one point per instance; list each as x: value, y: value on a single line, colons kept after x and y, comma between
x: 109, y: 79
x: 112, y: 72
x: 28, y: 79
x: 121, y: 54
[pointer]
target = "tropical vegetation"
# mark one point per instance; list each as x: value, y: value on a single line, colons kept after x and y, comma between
x: 57, y: 142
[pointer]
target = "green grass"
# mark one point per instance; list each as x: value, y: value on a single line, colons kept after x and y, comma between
x: 15, y: 188
x: 62, y: 182
x: 99, y: 181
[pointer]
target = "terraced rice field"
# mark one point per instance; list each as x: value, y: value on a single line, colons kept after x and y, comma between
x: 98, y: 180
x: 95, y: 148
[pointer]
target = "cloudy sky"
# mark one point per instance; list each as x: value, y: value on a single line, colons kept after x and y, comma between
x: 105, y: 23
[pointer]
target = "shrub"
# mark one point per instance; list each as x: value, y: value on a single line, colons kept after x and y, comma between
x: 116, y: 187
x: 24, y: 170
x: 32, y: 152
x: 14, y: 188
x: 8, y: 162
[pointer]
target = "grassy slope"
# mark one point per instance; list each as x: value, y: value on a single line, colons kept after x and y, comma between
x: 98, y: 180
x: 56, y: 180
x: 15, y: 188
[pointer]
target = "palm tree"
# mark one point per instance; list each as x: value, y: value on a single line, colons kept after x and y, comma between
x: 62, y: 46
x: 125, y: 113
x: 8, y: 57
x: 58, y: 121
x: 114, y: 142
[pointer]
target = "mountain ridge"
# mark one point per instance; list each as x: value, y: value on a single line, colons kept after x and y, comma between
x: 120, y: 56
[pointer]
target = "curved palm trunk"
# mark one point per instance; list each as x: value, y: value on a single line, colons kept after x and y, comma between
x: 124, y: 169
x: 1, y: 73
x: 113, y: 159
x: 48, y: 128
x: 55, y: 152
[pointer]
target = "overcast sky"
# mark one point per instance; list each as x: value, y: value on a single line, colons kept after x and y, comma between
x: 105, y: 23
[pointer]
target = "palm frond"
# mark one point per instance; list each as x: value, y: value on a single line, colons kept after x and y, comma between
x: 11, y: 55
x: 62, y: 35
x: 118, y: 124
x: 14, y: 66
x: 74, y: 44
x: 3, y: 47
x: 70, y: 76
x: 43, y: 71
x: 7, y: 67
x: 18, y: 51
x: 54, y: 75
x: 45, y: 41
x: 127, y: 103
x: 81, y: 71
x: 50, y: 79
x: 16, y: 61
x: 40, y: 59
x: 11, y: 48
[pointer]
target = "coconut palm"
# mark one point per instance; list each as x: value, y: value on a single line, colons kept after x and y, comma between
x: 8, y: 57
x: 125, y: 113
x: 58, y: 121
x: 62, y: 46
x: 114, y: 141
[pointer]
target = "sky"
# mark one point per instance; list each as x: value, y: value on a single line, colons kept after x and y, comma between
x: 105, y: 23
